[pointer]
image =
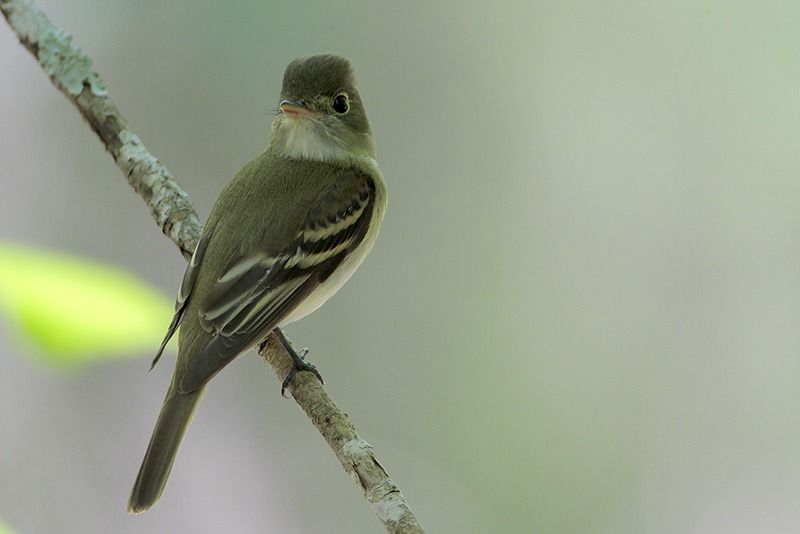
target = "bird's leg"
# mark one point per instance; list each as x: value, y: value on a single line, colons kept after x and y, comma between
x: 298, y: 361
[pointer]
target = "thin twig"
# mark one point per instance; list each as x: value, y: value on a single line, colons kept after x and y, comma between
x: 70, y: 70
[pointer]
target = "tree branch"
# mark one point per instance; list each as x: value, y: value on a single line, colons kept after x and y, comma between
x: 70, y: 70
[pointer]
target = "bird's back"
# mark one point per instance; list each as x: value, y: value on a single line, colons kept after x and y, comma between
x: 241, y: 211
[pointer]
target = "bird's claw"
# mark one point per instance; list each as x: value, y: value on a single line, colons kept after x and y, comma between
x: 299, y: 364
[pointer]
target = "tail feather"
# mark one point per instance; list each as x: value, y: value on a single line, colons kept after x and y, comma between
x: 176, y: 413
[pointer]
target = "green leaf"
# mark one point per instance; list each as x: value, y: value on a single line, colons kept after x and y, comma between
x: 5, y: 529
x: 74, y: 310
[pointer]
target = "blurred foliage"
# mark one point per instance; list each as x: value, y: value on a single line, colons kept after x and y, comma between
x: 5, y: 529
x: 74, y: 310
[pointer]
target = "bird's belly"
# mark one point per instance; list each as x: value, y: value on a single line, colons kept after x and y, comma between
x: 329, y: 287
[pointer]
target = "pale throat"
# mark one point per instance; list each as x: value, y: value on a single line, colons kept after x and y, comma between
x: 305, y: 139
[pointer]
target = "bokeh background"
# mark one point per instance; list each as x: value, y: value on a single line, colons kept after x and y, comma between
x: 582, y: 315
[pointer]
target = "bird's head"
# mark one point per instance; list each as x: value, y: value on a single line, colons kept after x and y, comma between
x: 321, y: 116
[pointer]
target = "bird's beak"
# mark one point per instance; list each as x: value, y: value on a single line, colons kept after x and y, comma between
x: 295, y: 108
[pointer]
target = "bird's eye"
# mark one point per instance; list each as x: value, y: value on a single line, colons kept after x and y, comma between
x: 340, y: 104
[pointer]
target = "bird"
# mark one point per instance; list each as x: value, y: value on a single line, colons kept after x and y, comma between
x: 283, y: 237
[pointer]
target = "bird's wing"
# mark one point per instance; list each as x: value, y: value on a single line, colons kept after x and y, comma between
x: 257, y: 291
x: 189, y: 277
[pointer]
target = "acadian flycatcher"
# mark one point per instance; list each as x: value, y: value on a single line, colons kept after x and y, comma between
x: 285, y: 234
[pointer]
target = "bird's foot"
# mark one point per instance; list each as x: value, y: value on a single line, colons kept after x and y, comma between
x: 298, y: 364
x: 298, y: 361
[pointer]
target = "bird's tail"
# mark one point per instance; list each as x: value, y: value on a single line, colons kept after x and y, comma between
x: 171, y: 426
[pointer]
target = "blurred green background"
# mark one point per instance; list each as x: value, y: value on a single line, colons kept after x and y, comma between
x: 582, y: 314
